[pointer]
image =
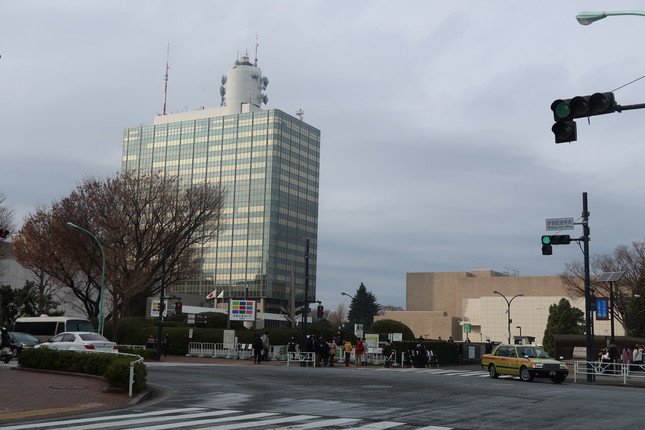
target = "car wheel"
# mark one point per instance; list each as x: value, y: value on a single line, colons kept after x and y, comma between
x: 7, y: 358
x: 525, y: 375
x: 558, y: 379
x: 14, y: 352
x: 492, y: 371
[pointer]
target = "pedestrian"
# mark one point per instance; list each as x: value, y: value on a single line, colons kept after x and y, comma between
x: 422, y: 354
x: 151, y: 343
x: 332, y: 352
x: 637, y: 355
x: 626, y: 355
x: 5, y: 339
x: 359, y: 351
x: 258, y: 348
x: 165, y: 342
x: 387, y: 354
x: 347, y: 349
x: 488, y: 348
x: 266, y: 345
x: 450, y: 339
x: 311, y: 351
x: 323, y: 349
x: 292, y: 344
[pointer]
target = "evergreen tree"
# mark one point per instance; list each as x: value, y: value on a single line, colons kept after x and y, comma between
x: 563, y: 319
x: 363, y: 308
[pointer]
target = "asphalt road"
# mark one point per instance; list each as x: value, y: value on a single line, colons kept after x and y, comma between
x: 458, y: 398
x: 289, y: 398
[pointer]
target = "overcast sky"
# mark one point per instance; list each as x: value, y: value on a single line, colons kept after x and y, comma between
x: 437, y: 152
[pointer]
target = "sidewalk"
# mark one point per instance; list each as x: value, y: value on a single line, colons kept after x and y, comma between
x: 32, y: 394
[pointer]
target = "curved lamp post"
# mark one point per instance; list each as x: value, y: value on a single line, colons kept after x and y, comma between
x: 348, y: 295
x: 586, y: 17
x: 100, y: 323
x: 508, y: 311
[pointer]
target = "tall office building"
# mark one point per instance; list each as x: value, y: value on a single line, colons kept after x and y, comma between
x: 268, y: 161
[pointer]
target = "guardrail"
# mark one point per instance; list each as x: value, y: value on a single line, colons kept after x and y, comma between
x: 131, y: 377
x: 301, y: 357
x: 614, y: 370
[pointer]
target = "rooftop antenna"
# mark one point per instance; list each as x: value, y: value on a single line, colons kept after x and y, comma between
x: 257, y: 43
x: 165, y: 87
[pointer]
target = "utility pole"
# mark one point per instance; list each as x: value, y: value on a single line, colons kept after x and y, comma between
x: 589, y: 302
x: 305, y: 309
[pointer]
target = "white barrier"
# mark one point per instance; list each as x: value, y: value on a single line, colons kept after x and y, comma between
x: 615, y: 370
x: 301, y: 357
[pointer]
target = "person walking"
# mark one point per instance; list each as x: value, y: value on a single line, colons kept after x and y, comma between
x: 360, y: 350
x: 347, y: 349
x: 331, y: 353
x: 387, y: 354
x: 266, y: 345
x: 258, y: 348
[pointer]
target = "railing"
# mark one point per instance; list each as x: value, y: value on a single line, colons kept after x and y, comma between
x: 301, y: 357
x: 614, y: 370
x: 131, y: 377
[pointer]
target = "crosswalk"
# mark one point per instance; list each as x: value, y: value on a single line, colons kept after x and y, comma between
x: 220, y: 419
x: 444, y: 372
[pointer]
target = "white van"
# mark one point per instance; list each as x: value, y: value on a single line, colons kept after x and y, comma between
x: 45, y: 327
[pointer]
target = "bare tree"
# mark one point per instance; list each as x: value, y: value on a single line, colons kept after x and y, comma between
x: 389, y: 308
x: 6, y: 223
x: 137, y: 220
x: 337, y: 317
x: 628, y: 259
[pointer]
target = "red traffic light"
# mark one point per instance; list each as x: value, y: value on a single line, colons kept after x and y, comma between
x: 178, y: 308
x: 4, y: 234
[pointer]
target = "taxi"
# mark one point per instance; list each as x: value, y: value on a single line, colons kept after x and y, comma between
x: 526, y: 361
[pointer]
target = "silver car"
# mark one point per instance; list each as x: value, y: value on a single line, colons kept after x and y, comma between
x: 80, y: 341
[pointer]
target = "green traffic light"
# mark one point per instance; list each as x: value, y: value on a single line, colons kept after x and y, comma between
x: 546, y: 240
x: 562, y: 110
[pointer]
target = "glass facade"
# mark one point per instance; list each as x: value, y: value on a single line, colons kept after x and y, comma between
x: 268, y: 162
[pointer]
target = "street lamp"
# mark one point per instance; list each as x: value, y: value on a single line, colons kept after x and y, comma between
x: 508, y: 311
x: 100, y: 323
x: 348, y: 295
x: 586, y: 17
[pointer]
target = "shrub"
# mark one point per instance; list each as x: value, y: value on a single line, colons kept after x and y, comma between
x: 115, y: 368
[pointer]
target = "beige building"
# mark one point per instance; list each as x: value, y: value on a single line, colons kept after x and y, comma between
x: 444, y: 304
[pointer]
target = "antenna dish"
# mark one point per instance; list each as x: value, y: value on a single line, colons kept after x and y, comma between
x: 222, y: 91
x: 223, y: 79
x: 265, y: 99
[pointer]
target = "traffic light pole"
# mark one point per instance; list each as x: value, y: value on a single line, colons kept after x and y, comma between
x: 162, y: 307
x: 589, y: 303
x: 305, y: 313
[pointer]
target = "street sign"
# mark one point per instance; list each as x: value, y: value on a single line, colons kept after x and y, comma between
x: 557, y: 224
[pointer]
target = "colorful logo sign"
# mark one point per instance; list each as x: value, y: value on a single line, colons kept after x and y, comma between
x: 242, y: 310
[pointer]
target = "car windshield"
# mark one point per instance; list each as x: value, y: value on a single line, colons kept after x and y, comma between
x: 533, y: 352
x: 24, y: 337
x: 93, y: 336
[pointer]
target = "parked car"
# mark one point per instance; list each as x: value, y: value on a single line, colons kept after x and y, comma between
x: 80, y: 341
x: 20, y: 341
x: 525, y: 361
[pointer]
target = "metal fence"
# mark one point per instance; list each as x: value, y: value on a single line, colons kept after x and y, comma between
x: 608, y: 369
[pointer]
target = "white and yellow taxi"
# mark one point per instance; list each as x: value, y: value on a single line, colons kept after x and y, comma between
x: 525, y: 361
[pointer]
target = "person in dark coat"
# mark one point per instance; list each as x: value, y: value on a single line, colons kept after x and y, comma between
x: 258, y: 349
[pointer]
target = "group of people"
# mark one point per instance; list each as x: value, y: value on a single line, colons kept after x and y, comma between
x: 630, y: 354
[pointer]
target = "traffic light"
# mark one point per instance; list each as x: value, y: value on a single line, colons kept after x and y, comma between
x: 565, y: 111
x: 178, y: 308
x: 4, y: 234
x: 547, y: 241
x: 565, y: 131
x: 319, y: 311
